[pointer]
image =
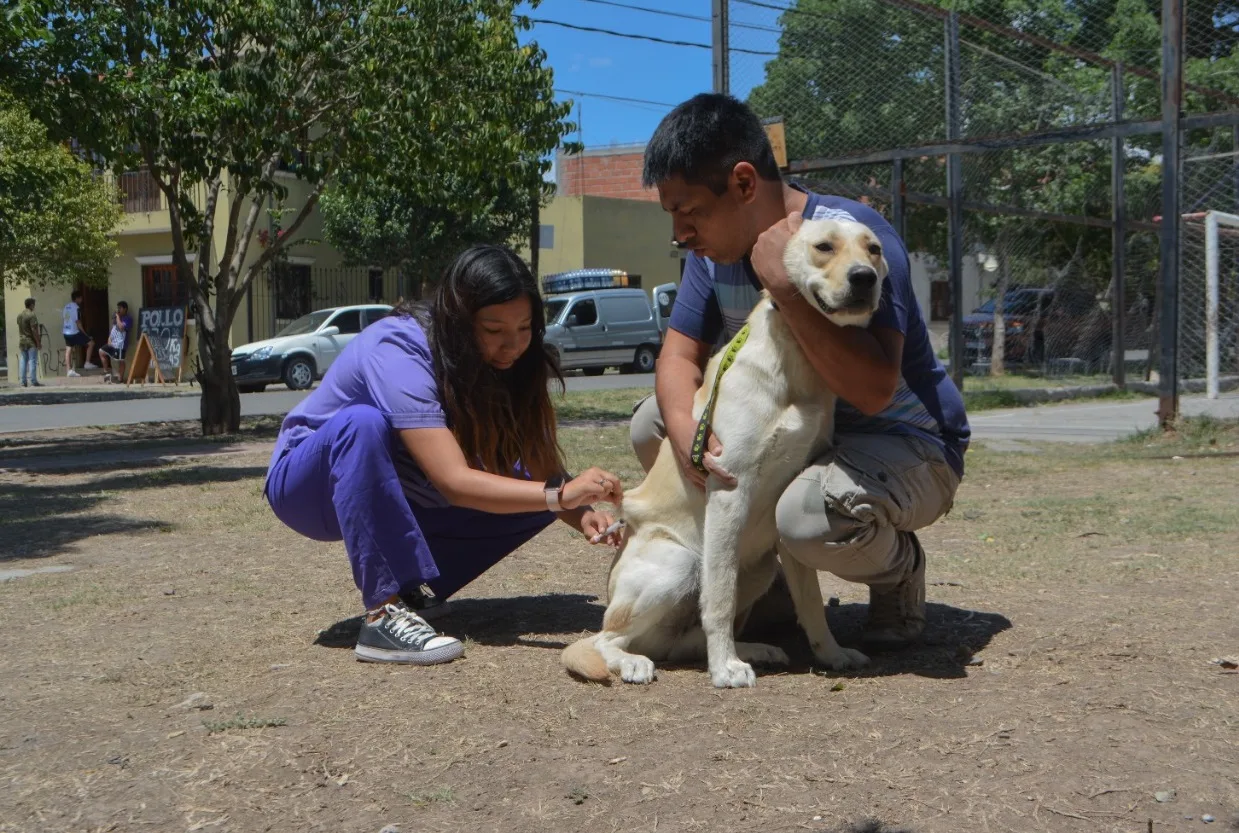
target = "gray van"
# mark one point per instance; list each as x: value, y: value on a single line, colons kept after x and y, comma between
x: 594, y: 329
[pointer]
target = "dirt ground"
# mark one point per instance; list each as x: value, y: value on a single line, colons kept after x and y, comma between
x: 190, y: 668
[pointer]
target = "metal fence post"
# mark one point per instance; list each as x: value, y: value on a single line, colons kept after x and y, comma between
x: 898, y: 203
x: 1168, y: 284
x: 1118, y: 235
x: 955, y: 198
x: 721, y: 45
x: 1234, y: 146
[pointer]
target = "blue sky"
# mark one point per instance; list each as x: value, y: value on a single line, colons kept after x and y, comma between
x: 605, y: 65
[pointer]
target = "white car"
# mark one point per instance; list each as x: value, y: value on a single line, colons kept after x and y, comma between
x: 303, y: 350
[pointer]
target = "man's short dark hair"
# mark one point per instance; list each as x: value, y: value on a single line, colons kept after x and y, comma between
x: 30, y: 303
x: 123, y: 304
x: 75, y: 295
x: 703, y: 139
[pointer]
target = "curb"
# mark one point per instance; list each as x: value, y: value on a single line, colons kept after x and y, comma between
x: 75, y: 396
x: 1224, y: 384
x: 1038, y: 396
x: 1024, y: 396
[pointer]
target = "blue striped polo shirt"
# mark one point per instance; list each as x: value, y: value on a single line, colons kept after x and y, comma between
x: 714, y: 300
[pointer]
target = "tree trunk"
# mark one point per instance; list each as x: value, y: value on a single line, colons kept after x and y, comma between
x: 998, y: 353
x: 535, y: 234
x: 1151, y: 368
x: 221, y: 401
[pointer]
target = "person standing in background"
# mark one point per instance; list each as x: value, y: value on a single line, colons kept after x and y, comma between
x: 28, y: 346
x: 74, y: 335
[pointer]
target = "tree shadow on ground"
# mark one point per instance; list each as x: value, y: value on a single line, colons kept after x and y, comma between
x: 952, y: 635
x: 136, y: 436
x: 42, y: 538
x: 38, y: 520
x: 68, y: 461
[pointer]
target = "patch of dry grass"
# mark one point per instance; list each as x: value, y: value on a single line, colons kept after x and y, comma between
x: 617, y: 405
x: 1093, y: 586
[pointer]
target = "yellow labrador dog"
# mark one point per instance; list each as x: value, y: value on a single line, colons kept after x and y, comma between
x: 693, y: 563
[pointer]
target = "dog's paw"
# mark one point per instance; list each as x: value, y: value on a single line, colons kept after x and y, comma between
x: 759, y: 653
x: 637, y: 669
x: 734, y: 673
x: 844, y: 659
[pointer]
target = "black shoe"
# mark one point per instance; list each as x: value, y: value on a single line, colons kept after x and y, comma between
x: 423, y: 601
x: 400, y: 635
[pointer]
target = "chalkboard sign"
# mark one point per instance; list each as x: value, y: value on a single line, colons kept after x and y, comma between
x: 164, y: 327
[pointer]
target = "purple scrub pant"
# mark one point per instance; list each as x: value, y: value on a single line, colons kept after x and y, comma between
x: 341, y: 483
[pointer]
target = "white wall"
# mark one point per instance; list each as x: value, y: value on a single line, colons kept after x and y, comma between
x: 925, y: 269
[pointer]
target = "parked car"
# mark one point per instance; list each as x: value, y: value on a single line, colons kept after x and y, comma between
x: 595, y: 329
x: 1025, y: 311
x: 1063, y: 326
x: 303, y: 350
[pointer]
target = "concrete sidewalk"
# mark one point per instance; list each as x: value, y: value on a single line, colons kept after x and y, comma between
x: 1092, y: 422
x: 89, y: 387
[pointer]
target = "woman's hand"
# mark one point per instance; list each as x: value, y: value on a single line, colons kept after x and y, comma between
x: 595, y: 523
x: 590, y: 485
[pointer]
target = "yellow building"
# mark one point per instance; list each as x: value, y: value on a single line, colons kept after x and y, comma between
x: 588, y: 232
x: 576, y: 232
x: 142, y: 275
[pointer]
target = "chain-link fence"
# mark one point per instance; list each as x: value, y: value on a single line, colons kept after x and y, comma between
x: 1045, y: 105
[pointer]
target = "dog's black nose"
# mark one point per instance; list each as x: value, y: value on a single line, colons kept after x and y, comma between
x: 862, y: 277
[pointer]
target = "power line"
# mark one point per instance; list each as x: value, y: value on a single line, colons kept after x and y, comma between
x: 615, y: 98
x: 649, y: 38
x: 773, y: 7
x: 681, y: 16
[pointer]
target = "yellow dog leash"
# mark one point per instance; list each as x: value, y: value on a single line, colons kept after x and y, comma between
x: 698, y: 454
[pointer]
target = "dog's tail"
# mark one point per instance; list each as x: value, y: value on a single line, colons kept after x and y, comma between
x: 582, y: 659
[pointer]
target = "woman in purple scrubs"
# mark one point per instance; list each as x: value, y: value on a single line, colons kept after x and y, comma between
x: 430, y: 449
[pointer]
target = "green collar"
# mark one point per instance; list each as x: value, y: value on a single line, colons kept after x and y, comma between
x: 698, y: 453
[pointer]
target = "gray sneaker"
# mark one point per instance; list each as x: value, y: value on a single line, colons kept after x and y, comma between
x: 897, y: 614
x: 400, y: 635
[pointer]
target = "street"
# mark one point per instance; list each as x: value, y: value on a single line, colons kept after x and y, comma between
x: 1082, y: 423
x: 1092, y: 422
x: 17, y: 418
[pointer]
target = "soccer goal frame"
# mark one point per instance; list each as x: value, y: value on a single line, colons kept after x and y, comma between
x: 1214, y: 221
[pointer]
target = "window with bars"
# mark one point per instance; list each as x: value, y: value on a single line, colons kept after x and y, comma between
x: 162, y: 286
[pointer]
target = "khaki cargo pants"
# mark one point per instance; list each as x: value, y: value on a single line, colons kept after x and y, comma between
x: 852, y: 512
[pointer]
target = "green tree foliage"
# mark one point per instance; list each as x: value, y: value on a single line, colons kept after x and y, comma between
x: 856, y: 75
x: 417, y: 212
x: 56, y: 215
x: 213, y: 97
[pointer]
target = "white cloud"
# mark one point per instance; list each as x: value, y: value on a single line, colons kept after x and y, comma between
x: 599, y: 62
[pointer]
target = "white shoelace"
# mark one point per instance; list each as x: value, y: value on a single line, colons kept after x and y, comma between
x: 407, y: 625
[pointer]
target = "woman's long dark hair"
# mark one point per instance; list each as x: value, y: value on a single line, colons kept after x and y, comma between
x: 499, y: 417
